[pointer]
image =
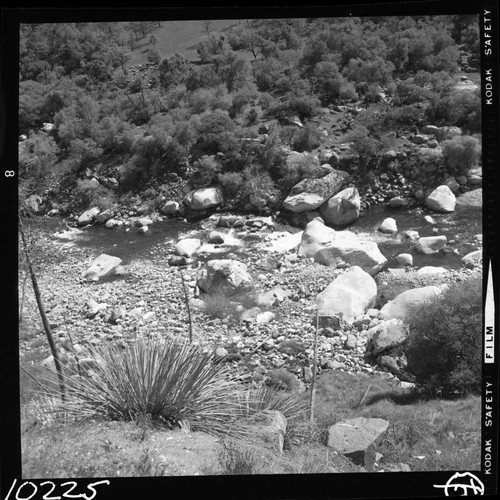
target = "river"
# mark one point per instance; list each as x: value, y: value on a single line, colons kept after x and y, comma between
x: 460, y: 227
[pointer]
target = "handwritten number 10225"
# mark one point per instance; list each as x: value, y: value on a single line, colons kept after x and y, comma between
x: 28, y: 490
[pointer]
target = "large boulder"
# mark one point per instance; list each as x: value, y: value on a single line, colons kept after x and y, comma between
x: 430, y: 244
x: 351, y: 294
x: 310, y: 194
x: 405, y: 259
x: 88, y: 216
x: 405, y: 302
x: 203, y: 198
x: 224, y: 275
x: 315, y: 237
x: 187, y: 247
x: 364, y: 254
x: 388, y: 226
x: 354, y: 437
x: 328, y: 247
x: 171, y: 207
x: 342, y: 209
x: 473, y: 259
x: 441, y: 200
x: 104, y: 265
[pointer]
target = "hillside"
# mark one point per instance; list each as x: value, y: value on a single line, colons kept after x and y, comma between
x: 177, y: 37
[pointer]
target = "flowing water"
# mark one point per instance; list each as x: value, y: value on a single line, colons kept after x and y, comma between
x: 459, y: 227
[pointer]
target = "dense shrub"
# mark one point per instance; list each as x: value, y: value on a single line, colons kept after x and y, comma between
x: 231, y: 183
x: 459, y: 108
x: 461, y: 153
x: 444, y: 343
x: 306, y: 139
x: 205, y: 171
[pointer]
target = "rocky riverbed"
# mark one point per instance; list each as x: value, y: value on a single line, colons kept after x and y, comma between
x: 261, y: 333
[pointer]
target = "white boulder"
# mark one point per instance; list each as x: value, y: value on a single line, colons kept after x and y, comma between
x: 441, y: 200
x: 104, y: 265
x: 88, y: 216
x: 203, y: 198
x: 351, y: 294
x: 342, y: 209
x: 405, y: 302
x: 187, y: 247
x: 473, y: 259
x: 388, y: 226
x: 430, y: 244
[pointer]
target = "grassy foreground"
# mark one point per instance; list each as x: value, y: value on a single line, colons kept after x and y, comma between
x: 425, y: 435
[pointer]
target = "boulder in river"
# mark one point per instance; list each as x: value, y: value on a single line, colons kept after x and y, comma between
x: 88, y: 216
x: 310, y: 194
x: 342, y: 209
x: 441, y: 200
x: 104, y: 265
x: 187, y: 247
x: 430, y: 244
x: 330, y: 248
x: 388, y: 226
x: 405, y: 259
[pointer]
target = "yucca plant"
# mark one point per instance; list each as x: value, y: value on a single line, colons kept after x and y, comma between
x: 171, y: 381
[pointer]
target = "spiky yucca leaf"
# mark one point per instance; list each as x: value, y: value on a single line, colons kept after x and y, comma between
x: 254, y: 400
x: 170, y: 380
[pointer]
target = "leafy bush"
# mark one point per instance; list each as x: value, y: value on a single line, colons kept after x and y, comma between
x: 462, y: 109
x: 205, y: 171
x: 461, y: 153
x: 218, y: 305
x: 444, y: 344
x: 306, y: 139
x: 231, y: 183
x: 170, y: 381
